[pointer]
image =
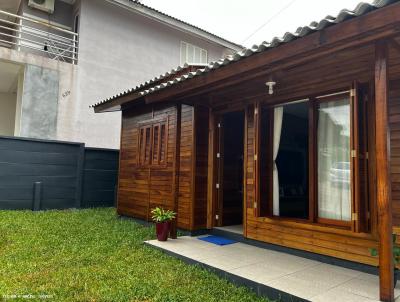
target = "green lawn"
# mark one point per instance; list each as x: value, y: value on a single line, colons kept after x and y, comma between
x: 92, y: 255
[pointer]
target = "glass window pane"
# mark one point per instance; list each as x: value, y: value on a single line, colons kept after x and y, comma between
x: 334, y: 190
x: 183, y: 53
x: 203, y: 56
x: 196, y: 55
x: 190, y: 54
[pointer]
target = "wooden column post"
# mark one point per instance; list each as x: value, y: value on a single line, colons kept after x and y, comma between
x: 173, y: 232
x: 383, y: 198
x: 211, y: 171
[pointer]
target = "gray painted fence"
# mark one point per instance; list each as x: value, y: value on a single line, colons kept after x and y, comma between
x: 42, y: 174
x: 100, y: 177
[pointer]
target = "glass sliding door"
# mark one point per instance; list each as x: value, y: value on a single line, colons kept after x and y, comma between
x: 334, y: 158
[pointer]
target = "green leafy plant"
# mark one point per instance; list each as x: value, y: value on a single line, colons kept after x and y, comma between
x: 396, y: 251
x: 162, y: 215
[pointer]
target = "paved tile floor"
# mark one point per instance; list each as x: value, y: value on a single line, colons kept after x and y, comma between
x: 304, y: 278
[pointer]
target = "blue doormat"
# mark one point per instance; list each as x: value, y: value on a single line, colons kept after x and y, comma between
x: 217, y: 240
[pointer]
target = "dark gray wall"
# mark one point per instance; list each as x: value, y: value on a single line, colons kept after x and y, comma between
x: 55, y: 175
x: 99, y: 177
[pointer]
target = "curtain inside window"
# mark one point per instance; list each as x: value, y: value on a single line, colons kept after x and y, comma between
x: 334, y: 190
x: 278, y: 115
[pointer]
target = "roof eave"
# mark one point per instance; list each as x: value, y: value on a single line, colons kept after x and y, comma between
x: 117, y: 103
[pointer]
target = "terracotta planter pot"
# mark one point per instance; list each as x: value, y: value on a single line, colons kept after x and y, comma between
x: 162, y: 230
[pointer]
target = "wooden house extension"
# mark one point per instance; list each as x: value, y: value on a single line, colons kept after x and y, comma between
x: 297, y: 140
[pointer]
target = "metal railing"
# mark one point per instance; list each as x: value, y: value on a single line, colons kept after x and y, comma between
x: 24, y: 33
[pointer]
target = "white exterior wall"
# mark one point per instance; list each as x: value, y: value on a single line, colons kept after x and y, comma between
x: 118, y: 49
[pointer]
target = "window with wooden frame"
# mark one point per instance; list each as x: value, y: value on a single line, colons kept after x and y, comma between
x: 312, y: 160
x: 152, y: 143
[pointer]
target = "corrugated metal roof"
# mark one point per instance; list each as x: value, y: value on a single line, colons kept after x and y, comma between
x: 147, y: 84
x: 361, y: 9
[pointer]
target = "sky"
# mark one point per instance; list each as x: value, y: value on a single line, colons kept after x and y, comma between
x: 238, y: 21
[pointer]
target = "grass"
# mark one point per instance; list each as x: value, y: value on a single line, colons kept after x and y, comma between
x: 92, y: 255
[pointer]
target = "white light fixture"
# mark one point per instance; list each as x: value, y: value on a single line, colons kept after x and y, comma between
x: 270, y: 84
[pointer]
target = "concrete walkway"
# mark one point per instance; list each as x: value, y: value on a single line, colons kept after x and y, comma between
x: 303, y: 278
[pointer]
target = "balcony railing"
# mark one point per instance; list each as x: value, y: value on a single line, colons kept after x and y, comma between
x: 27, y: 34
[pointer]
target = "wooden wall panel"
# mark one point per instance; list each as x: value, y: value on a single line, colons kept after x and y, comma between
x: 142, y: 188
x: 201, y: 168
x: 186, y: 171
x: 313, y: 238
x: 161, y: 177
x: 133, y: 184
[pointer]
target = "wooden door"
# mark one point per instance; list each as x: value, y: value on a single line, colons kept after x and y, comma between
x: 229, y: 159
x: 219, y: 161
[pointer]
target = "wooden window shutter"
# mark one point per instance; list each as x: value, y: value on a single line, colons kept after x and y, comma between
x: 152, y: 143
x: 141, y: 146
x: 163, y: 143
x: 156, y: 144
x: 263, y: 181
x: 147, y: 149
x: 263, y: 141
x: 359, y: 159
x: 364, y: 224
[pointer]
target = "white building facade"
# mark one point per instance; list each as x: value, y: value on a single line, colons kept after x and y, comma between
x: 57, y: 63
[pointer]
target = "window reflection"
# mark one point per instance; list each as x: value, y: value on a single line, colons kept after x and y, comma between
x: 334, y: 191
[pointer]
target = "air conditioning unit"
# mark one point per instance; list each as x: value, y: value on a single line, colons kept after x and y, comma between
x: 43, y: 5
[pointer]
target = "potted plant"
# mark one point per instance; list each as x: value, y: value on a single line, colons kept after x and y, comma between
x: 162, y: 218
x: 396, y: 257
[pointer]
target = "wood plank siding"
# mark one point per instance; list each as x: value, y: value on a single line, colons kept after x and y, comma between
x: 355, y: 62
x: 142, y: 187
x: 200, y: 168
x: 145, y: 186
x: 315, y: 78
x: 186, y: 171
